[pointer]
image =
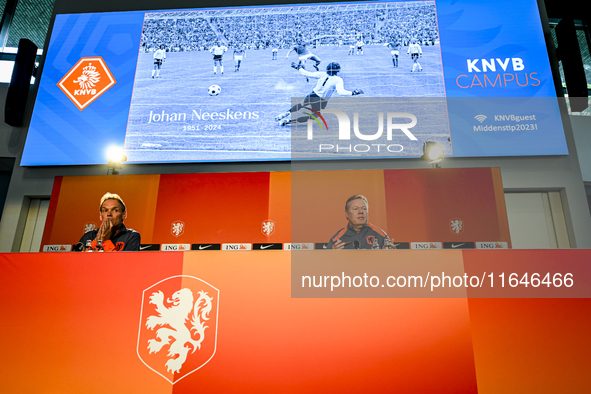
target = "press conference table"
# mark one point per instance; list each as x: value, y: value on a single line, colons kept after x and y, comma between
x: 91, y: 322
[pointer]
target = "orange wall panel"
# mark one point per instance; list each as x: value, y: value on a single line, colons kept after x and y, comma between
x: 318, y: 201
x: 531, y: 345
x: 270, y: 342
x: 72, y: 320
x: 421, y: 204
x: 79, y: 199
x: 280, y: 206
x: 74, y: 323
x: 215, y: 208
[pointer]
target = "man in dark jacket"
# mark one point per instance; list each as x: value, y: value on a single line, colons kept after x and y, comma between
x: 112, y: 232
x: 359, y: 233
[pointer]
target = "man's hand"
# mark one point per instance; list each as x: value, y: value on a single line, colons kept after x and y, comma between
x: 296, y: 66
x: 339, y: 244
x: 357, y: 92
x: 105, y: 231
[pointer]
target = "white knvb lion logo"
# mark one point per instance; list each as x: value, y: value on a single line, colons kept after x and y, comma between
x: 177, y: 335
x: 456, y: 225
x: 268, y: 227
x: 89, y: 78
x: 89, y: 227
x: 178, y: 228
x: 178, y: 326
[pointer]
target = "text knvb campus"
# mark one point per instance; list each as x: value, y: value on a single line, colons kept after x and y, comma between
x: 496, y: 73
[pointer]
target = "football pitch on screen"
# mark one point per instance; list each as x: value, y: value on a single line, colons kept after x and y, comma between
x: 164, y: 126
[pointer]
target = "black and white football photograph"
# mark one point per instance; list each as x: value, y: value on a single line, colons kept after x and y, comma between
x: 217, y: 84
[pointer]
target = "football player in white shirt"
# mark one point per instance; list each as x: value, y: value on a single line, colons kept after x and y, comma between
x: 359, y: 46
x: 239, y: 55
x: 415, y: 52
x: 351, y: 49
x: 328, y: 83
x: 159, y: 58
x: 217, y: 51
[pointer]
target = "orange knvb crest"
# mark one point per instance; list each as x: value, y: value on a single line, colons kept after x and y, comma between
x: 86, y: 81
x: 178, y: 326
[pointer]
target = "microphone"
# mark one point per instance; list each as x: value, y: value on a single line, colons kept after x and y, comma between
x: 356, y: 244
x: 79, y: 247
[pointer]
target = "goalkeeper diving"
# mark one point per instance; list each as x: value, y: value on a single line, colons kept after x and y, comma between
x: 328, y: 82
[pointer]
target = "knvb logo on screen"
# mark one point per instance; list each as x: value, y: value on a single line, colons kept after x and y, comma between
x: 87, y: 81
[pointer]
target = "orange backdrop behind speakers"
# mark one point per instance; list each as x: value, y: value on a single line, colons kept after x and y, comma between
x: 75, y: 203
x: 410, y: 205
x: 280, y: 205
x: 421, y: 204
x: 214, y: 207
x: 305, y: 206
x: 318, y: 201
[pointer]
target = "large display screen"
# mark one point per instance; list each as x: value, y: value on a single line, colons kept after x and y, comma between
x: 217, y: 84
